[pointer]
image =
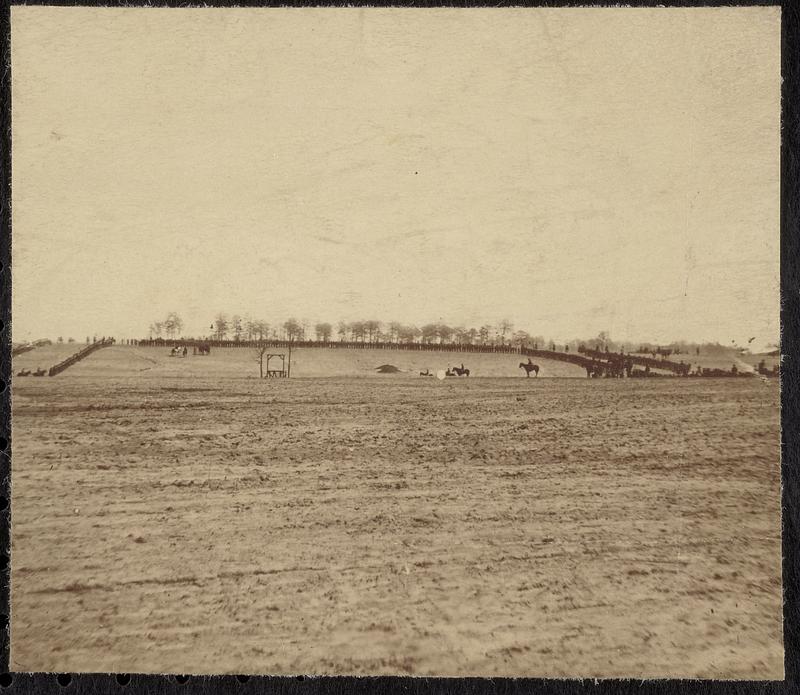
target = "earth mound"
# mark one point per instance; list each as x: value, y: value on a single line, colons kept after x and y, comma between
x: 387, y: 369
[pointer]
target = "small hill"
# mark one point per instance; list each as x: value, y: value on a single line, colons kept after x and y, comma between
x: 130, y: 361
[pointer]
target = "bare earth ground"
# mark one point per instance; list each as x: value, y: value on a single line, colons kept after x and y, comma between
x: 561, y: 527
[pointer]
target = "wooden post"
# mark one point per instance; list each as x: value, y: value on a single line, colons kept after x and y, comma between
x: 289, y: 369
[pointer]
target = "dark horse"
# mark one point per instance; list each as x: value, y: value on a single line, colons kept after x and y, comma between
x: 529, y: 367
x: 426, y: 373
x: 460, y: 371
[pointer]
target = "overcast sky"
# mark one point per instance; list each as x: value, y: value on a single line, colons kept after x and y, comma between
x: 570, y: 170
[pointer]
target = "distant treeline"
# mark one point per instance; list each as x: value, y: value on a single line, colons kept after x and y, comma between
x: 235, y: 329
x: 243, y: 328
x: 341, y: 345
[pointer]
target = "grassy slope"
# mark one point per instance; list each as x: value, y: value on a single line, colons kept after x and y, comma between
x: 309, y: 362
x: 45, y: 356
x: 240, y: 362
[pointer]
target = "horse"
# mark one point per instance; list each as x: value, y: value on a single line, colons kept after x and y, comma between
x: 460, y: 371
x: 24, y: 372
x: 426, y: 373
x: 529, y: 367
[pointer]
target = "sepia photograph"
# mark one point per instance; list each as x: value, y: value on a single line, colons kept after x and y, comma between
x: 396, y: 341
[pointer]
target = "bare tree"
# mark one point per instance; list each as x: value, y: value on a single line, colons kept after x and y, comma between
x: 505, y: 327
x: 221, y: 326
x: 429, y: 332
x: 538, y: 341
x: 357, y: 330
x: 293, y: 329
x: 408, y: 334
x: 521, y: 338
x: 394, y: 331
x: 173, y: 325
x: 259, y: 353
x: 372, y: 327
x: 383, y: 337
x: 237, y: 327
x: 444, y: 332
x: 323, y: 331
x: 260, y: 329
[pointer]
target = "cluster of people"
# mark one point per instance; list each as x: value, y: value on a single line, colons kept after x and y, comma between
x: 706, y: 371
x: 616, y: 367
x: 457, y: 371
x: 27, y: 372
x: 450, y: 371
x: 763, y: 371
x: 178, y: 351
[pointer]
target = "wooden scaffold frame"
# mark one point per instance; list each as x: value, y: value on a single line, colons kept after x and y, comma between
x: 276, y: 373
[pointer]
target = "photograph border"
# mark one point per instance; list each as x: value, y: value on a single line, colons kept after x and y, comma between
x: 790, y: 421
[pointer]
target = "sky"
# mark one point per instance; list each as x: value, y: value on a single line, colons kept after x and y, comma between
x: 571, y: 170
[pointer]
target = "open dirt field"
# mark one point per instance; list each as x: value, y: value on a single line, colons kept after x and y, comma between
x: 550, y: 527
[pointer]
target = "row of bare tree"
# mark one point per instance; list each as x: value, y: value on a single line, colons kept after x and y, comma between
x: 395, y: 332
x: 237, y: 327
x: 241, y: 327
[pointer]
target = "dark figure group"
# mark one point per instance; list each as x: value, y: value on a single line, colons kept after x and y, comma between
x: 27, y: 372
x: 763, y: 371
x: 457, y: 371
x: 450, y: 371
x: 616, y: 366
